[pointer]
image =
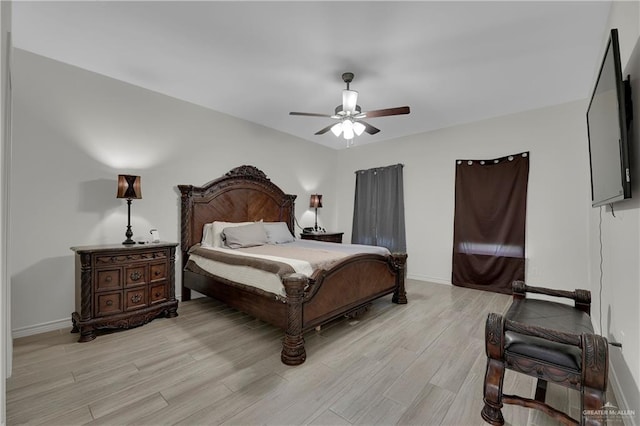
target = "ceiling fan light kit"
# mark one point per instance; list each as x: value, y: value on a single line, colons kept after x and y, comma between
x: 348, y: 128
x: 350, y: 115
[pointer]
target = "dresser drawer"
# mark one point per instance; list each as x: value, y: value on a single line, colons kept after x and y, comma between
x: 108, y: 303
x: 108, y: 279
x: 135, y: 275
x: 127, y: 257
x: 158, y: 271
x: 157, y: 293
x: 135, y: 298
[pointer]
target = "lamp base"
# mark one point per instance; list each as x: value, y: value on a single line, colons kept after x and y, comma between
x: 129, y: 233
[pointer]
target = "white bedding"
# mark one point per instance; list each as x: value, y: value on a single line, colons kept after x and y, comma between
x: 246, y: 275
x: 271, y: 282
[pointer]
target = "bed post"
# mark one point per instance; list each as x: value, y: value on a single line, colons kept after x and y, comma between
x: 186, y: 205
x: 293, y: 352
x: 399, y: 262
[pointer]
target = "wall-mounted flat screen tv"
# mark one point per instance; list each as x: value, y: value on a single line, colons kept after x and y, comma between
x: 608, y: 120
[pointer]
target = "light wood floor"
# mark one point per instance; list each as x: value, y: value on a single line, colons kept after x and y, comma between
x: 416, y: 364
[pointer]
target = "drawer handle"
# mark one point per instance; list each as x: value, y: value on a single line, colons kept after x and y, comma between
x: 157, y: 273
x: 109, y: 302
x: 135, y: 276
x: 108, y: 279
x: 158, y: 294
x: 136, y: 298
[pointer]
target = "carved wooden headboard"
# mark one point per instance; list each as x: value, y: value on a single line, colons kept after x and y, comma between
x: 243, y: 194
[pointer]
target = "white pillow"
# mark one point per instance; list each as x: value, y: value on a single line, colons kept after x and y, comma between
x: 207, y: 235
x: 278, y: 233
x: 212, y: 232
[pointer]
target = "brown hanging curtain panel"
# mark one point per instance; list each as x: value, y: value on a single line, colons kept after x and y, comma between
x: 489, y: 222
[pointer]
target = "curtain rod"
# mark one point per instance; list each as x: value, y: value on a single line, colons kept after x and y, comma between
x: 380, y: 168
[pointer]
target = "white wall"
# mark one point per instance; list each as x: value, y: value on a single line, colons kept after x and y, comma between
x: 558, y: 190
x: 5, y: 152
x: 75, y: 131
x: 620, y: 236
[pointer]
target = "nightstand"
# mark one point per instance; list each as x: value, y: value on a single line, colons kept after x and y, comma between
x: 123, y: 286
x: 330, y: 237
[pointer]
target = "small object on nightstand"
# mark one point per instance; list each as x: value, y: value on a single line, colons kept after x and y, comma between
x: 329, y: 237
x: 123, y: 286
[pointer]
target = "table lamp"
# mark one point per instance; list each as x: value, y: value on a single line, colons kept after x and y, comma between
x: 129, y: 188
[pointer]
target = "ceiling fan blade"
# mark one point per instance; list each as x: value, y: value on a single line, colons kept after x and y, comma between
x: 325, y: 130
x: 384, y: 112
x: 369, y: 128
x: 310, y: 114
x: 349, y: 100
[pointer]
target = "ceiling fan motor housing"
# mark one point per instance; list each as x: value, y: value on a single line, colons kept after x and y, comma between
x: 347, y: 77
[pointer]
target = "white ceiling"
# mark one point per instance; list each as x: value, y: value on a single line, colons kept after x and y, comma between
x: 451, y: 62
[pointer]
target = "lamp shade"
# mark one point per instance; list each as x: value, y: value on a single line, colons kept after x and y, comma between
x: 358, y: 128
x: 315, y: 201
x: 347, y: 129
x: 129, y: 187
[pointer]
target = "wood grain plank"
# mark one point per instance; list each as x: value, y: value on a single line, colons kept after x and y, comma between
x: 429, y: 408
x: 382, y: 411
x: 329, y: 418
x: 127, y: 413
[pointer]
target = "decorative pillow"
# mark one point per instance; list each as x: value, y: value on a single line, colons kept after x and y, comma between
x: 245, y: 236
x: 278, y: 233
x: 212, y: 232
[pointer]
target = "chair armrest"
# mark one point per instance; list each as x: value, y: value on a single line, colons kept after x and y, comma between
x: 581, y: 298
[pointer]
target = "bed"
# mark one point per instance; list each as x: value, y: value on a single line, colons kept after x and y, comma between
x: 245, y: 194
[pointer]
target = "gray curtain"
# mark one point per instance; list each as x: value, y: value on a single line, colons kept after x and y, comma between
x: 378, y: 214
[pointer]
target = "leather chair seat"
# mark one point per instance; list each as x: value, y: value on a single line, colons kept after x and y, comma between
x: 551, y: 315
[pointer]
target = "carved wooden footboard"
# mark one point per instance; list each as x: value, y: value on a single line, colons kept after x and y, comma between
x: 246, y: 194
x: 330, y: 294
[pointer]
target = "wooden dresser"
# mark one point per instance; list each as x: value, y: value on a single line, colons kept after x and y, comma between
x: 120, y: 286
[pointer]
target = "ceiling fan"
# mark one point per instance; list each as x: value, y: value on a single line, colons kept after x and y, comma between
x: 350, y: 116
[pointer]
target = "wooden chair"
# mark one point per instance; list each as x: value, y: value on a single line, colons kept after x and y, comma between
x: 553, y: 342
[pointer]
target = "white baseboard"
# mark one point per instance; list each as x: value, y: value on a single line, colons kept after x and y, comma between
x: 48, y: 326
x: 41, y: 328
x: 419, y: 277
